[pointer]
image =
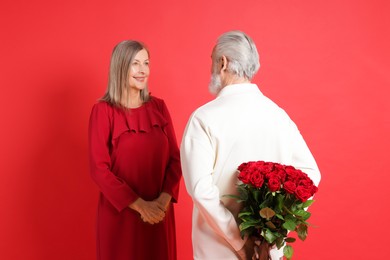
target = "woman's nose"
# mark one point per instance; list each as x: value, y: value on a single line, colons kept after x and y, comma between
x: 142, y: 68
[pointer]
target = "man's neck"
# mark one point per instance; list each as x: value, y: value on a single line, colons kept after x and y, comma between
x: 233, y: 79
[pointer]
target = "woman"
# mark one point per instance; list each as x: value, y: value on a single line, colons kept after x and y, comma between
x: 134, y: 160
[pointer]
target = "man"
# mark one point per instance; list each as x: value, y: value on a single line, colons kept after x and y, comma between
x: 240, y: 125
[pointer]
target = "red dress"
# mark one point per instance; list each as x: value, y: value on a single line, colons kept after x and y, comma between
x: 133, y: 154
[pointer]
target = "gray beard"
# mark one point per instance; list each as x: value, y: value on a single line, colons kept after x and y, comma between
x: 215, y: 84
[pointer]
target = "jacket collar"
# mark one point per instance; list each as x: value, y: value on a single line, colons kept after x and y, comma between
x: 238, y: 89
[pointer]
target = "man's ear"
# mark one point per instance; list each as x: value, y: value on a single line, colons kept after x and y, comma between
x: 224, y: 63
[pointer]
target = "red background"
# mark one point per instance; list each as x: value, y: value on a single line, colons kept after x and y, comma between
x: 326, y: 63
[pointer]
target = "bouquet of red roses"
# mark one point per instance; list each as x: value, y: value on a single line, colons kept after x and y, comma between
x: 275, y: 198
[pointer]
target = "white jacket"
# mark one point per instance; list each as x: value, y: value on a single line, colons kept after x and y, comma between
x: 240, y: 125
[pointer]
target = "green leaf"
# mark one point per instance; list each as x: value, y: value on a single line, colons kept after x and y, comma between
x: 247, y: 219
x: 290, y: 240
x: 249, y: 223
x: 280, y: 202
x: 237, y: 197
x: 287, y: 210
x: 279, y: 216
x: 279, y: 242
x: 302, y: 231
x: 245, y: 225
x: 267, y: 213
x: 243, y: 192
x: 267, y: 201
x: 245, y: 213
x: 289, y: 225
x: 269, y: 236
x: 288, y: 251
x: 291, y: 216
x: 302, y: 213
x: 308, y: 203
x: 298, y: 206
x: 257, y: 195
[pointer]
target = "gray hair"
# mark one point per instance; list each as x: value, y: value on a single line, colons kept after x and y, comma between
x: 118, y: 79
x: 241, y: 53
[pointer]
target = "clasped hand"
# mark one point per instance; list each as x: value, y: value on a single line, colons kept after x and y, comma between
x: 153, y: 211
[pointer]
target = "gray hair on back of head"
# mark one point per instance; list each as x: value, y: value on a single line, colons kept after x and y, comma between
x: 241, y: 53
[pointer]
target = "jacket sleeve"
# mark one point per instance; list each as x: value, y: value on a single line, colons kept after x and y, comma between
x: 117, y: 192
x: 173, y: 171
x: 197, y: 157
x: 302, y: 158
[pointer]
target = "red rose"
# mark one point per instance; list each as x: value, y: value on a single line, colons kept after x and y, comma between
x: 314, y: 189
x: 289, y: 187
x: 302, y: 175
x: 277, y: 173
x: 259, y: 164
x: 308, y: 184
x: 290, y: 168
x: 292, y: 174
x: 272, y: 175
x: 302, y: 193
x: 244, y: 176
x: 265, y: 167
x: 243, y: 167
x: 295, y: 175
x: 274, y: 184
x: 279, y: 166
x: 282, y: 175
x: 257, y: 179
x: 305, y: 182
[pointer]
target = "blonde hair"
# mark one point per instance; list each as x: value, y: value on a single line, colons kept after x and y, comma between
x: 118, y: 78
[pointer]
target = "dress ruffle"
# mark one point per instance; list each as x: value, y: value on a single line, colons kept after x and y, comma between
x: 138, y: 120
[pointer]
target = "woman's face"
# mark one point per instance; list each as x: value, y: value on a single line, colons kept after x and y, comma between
x: 139, y: 70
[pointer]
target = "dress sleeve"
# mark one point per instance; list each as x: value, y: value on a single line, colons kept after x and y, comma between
x: 118, y: 193
x: 173, y: 171
x: 197, y: 157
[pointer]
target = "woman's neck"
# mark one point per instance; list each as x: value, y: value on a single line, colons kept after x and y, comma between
x: 132, y: 99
